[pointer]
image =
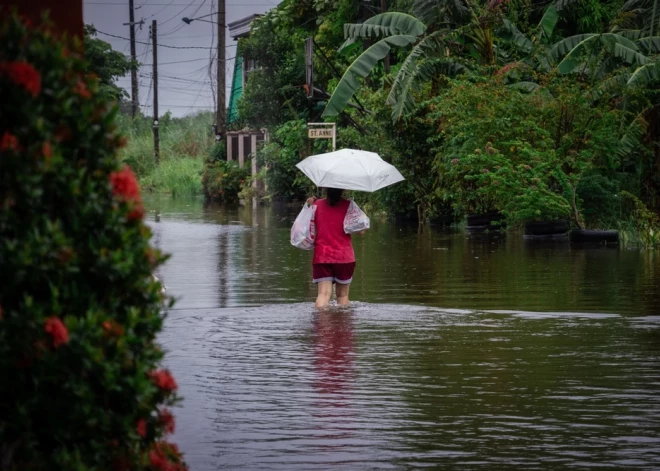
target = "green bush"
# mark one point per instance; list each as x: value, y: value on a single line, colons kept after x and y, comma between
x: 79, y: 309
x: 222, y: 181
x: 522, y: 154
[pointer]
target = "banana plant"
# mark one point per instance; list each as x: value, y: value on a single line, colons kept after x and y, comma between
x: 392, y: 29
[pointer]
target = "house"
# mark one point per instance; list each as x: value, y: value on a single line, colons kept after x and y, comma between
x: 242, y: 145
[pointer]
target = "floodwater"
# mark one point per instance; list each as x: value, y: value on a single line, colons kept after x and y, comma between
x: 457, y: 352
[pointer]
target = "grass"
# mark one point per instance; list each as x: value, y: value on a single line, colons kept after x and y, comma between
x: 184, y: 146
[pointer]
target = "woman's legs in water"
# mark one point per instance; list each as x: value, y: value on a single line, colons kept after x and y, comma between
x: 342, y: 294
x: 325, y: 292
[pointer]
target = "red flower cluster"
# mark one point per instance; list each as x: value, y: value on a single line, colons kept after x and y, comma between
x: 164, y: 380
x: 137, y: 213
x: 23, y: 75
x: 9, y: 142
x: 166, y: 419
x: 141, y: 428
x: 80, y: 89
x: 57, y: 331
x: 125, y: 185
x: 161, y: 456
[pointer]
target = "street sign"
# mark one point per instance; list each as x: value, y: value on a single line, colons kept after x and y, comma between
x: 321, y: 133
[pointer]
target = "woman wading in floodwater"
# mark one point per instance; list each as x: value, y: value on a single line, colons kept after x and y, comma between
x: 334, y: 259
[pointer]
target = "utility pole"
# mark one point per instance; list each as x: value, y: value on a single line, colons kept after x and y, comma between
x: 155, y: 87
x: 383, y: 9
x: 134, y: 82
x: 220, y: 111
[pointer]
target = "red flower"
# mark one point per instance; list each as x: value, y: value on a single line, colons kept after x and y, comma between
x: 166, y: 419
x: 57, y: 331
x: 137, y: 213
x: 9, y: 142
x: 125, y: 185
x: 112, y: 328
x: 46, y: 151
x: 454, y: 161
x: 164, y: 380
x: 485, y: 170
x: 23, y: 75
x: 80, y: 89
x: 162, y: 455
x: 141, y: 428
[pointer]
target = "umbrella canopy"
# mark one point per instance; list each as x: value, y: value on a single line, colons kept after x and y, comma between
x: 350, y: 169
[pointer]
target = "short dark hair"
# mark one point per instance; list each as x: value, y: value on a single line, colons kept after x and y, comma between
x: 334, y: 195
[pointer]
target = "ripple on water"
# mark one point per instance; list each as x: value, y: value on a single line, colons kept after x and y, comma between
x: 401, y: 387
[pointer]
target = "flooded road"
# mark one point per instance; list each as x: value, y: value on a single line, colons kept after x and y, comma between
x: 457, y: 353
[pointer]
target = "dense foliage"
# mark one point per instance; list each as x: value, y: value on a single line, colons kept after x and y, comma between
x: 106, y: 63
x: 184, y: 144
x: 80, y: 311
x: 539, y: 109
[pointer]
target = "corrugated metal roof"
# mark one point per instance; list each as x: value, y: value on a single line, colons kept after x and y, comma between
x: 240, y: 28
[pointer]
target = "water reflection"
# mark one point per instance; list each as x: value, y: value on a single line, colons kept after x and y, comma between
x: 332, y: 332
x: 548, y: 360
x: 242, y: 257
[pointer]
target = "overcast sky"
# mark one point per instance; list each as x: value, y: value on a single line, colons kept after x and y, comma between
x: 184, y: 83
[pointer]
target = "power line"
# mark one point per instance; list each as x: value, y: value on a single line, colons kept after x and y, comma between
x: 172, y: 31
x: 160, y: 45
x: 180, y: 62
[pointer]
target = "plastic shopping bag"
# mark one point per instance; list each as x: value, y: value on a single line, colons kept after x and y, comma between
x: 303, y: 231
x: 355, y: 219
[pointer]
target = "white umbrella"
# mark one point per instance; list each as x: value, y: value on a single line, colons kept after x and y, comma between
x: 350, y: 169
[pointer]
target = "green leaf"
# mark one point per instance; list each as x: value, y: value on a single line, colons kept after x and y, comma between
x: 566, y: 45
x: 360, y: 68
x: 631, y: 139
x: 385, y: 24
x: 549, y: 21
x: 516, y: 37
x: 615, y: 44
x: 650, y: 44
x: 644, y: 75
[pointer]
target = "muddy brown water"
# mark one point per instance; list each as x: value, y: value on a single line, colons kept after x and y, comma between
x: 457, y: 352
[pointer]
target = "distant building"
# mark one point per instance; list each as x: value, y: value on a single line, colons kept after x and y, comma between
x: 242, y: 145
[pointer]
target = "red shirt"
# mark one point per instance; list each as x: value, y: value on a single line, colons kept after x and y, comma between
x: 332, y: 244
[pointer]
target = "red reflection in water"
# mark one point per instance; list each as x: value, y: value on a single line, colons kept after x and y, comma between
x: 333, y: 361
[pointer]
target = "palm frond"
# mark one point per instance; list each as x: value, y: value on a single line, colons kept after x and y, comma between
x: 650, y: 44
x: 631, y: 139
x: 434, y: 11
x: 385, y: 24
x: 566, y: 45
x: 518, y: 39
x: 549, y: 21
x: 360, y: 68
x: 644, y: 75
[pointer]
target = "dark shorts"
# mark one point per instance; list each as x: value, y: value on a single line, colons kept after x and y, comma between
x: 341, y: 273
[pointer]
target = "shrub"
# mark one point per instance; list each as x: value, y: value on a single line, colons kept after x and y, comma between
x: 222, y: 181
x: 79, y: 309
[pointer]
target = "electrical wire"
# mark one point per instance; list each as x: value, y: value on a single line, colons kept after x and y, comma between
x: 159, y: 45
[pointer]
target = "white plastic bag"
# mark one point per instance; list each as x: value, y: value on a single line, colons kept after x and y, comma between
x: 303, y: 231
x: 355, y: 219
